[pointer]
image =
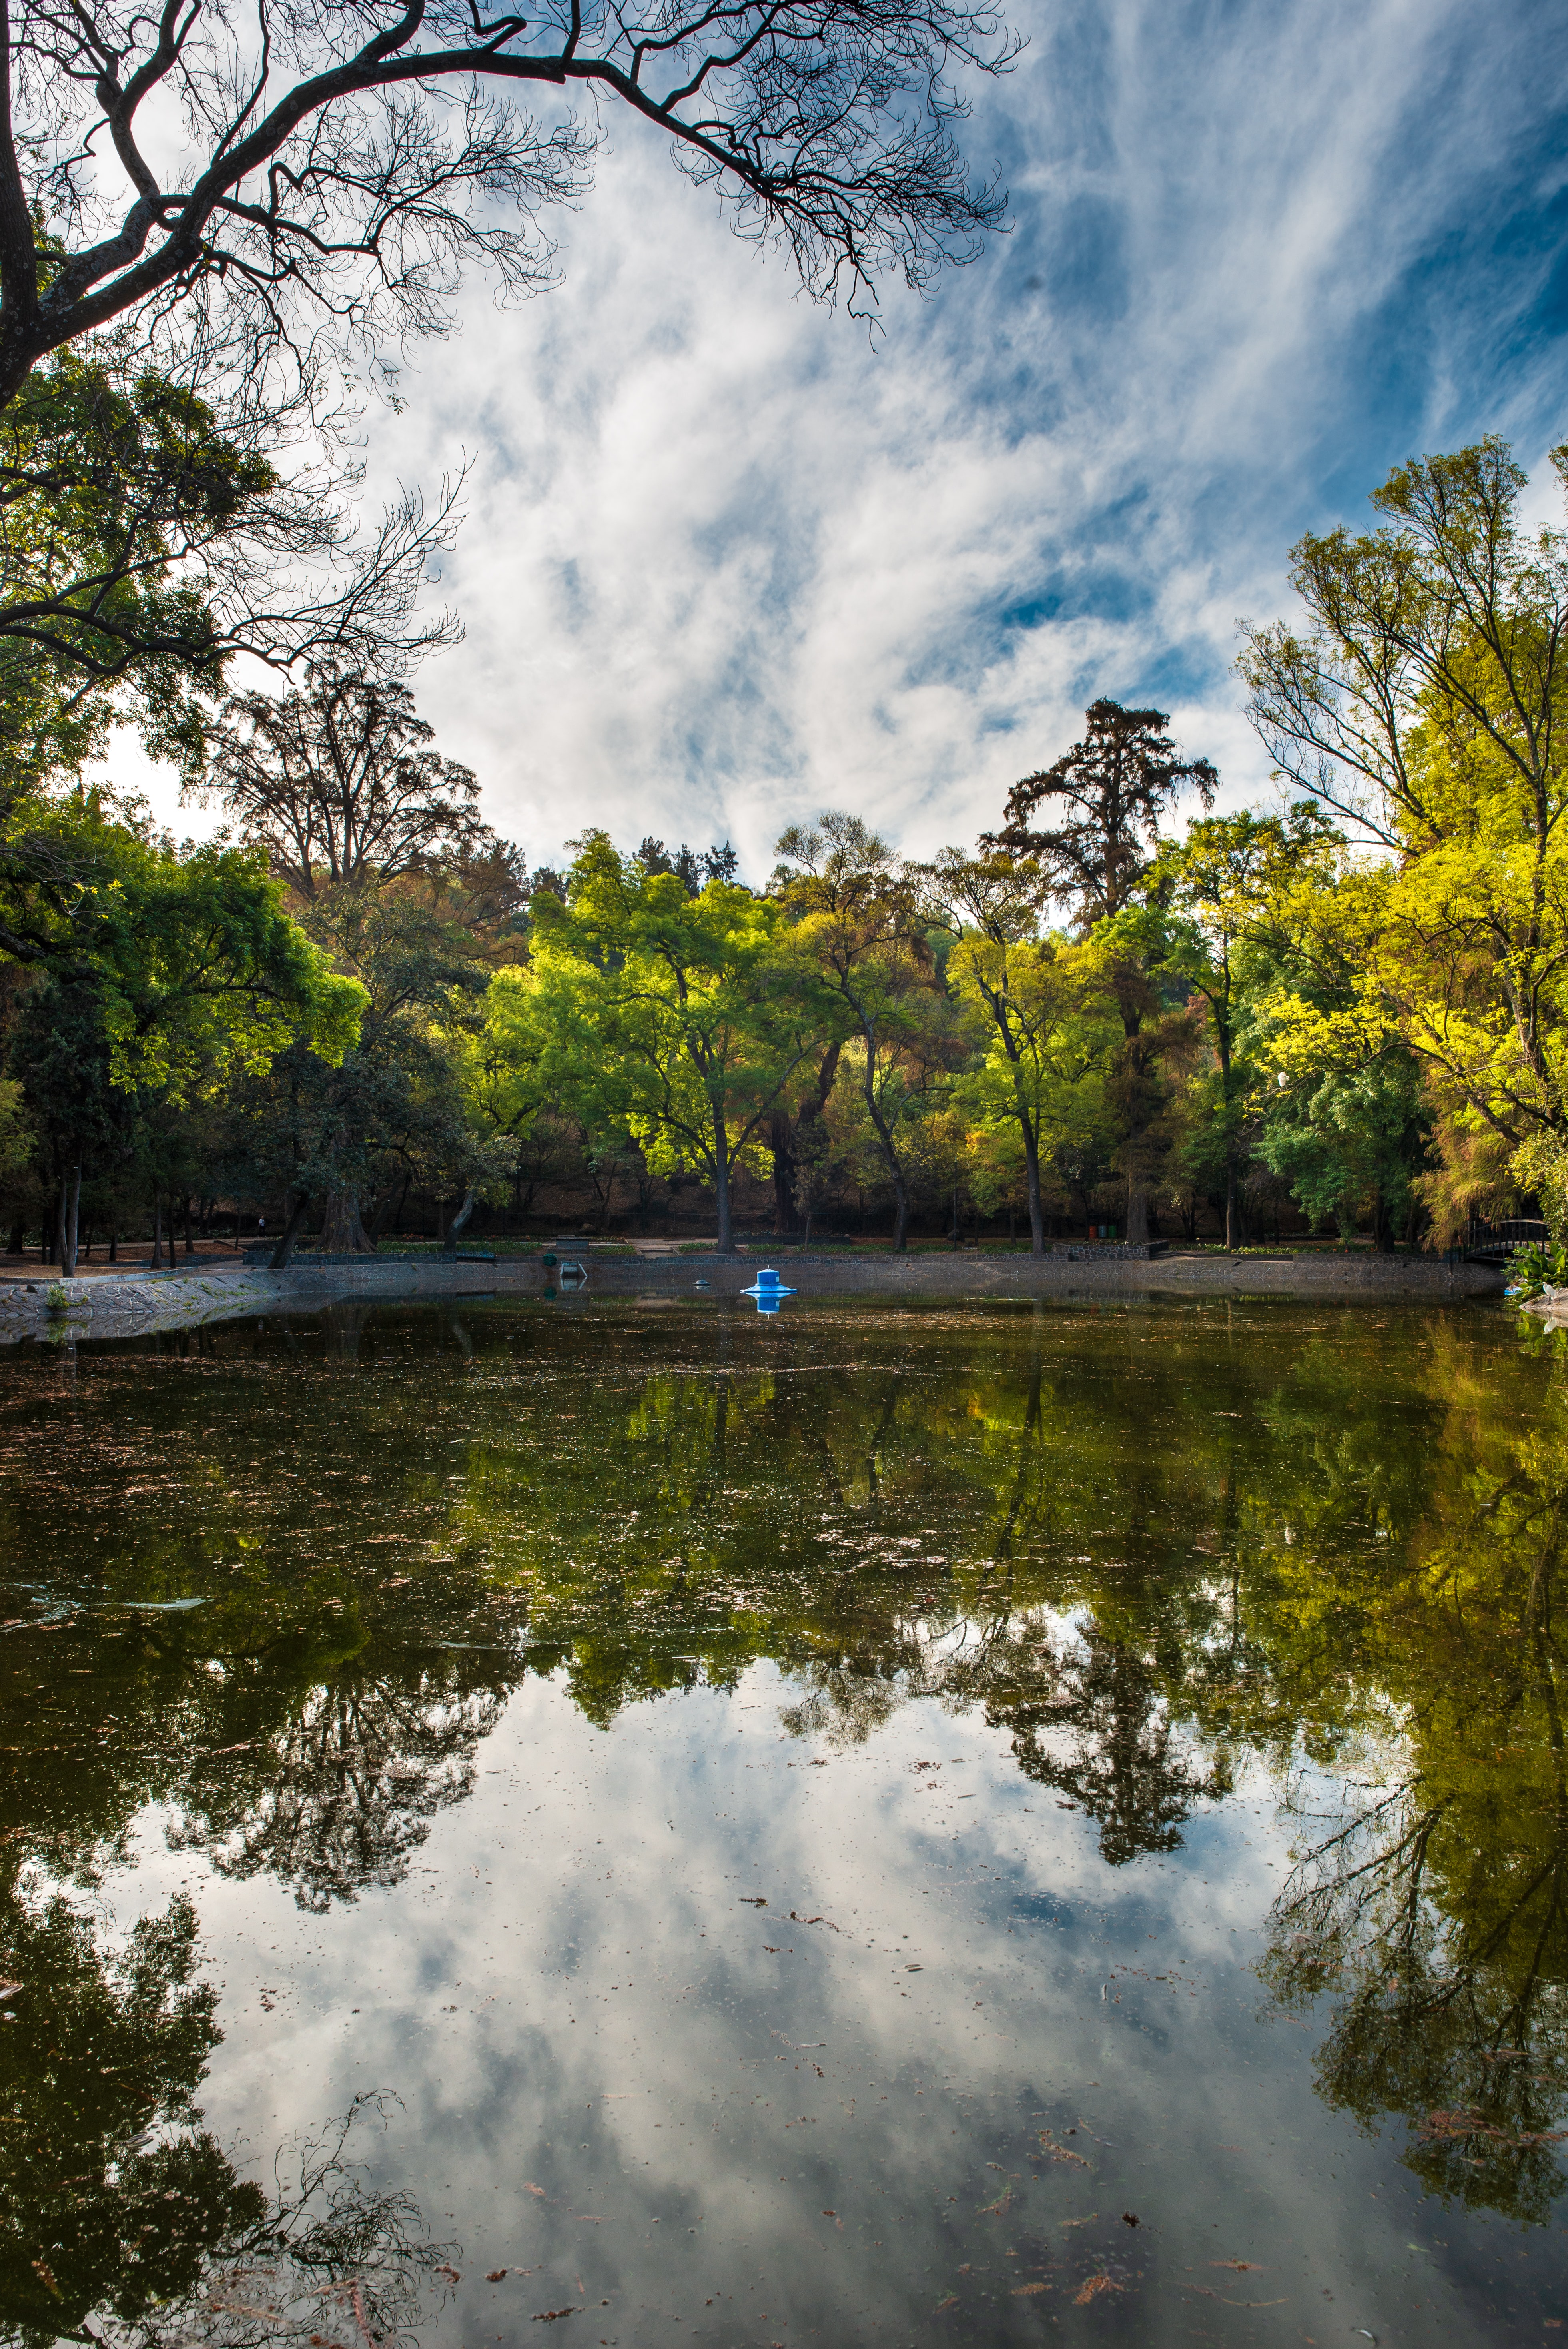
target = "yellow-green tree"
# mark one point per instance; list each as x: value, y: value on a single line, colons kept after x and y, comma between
x: 1048, y: 1028
x: 1424, y: 703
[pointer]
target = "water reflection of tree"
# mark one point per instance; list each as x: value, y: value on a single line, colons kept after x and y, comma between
x: 1144, y: 1551
x: 1429, y: 1901
x: 122, y: 2219
x: 1103, y: 1734
x: 1448, y: 1999
x: 348, y: 1789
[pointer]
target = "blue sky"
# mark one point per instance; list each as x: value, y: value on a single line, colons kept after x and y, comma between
x: 728, y: 561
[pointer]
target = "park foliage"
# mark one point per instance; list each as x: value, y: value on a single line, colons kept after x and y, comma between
x: 1127, y: 1007
x: 1120, y: 1008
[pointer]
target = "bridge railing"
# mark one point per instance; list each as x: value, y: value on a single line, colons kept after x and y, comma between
x: 1503, y: 1237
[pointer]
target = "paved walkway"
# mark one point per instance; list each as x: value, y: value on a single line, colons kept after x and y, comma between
x: 132, y: 1261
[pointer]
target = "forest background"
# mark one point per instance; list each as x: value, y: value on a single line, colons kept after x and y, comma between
x: 356, y: 1013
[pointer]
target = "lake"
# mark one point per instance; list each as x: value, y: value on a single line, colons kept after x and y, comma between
x: 975, y: 1824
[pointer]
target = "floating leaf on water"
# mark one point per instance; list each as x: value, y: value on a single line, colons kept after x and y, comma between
x: 1092, y: 2288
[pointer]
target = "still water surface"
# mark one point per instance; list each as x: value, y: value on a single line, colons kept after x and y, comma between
x: 984, y: 1825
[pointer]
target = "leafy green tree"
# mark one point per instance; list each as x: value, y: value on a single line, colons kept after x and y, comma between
x: 1108, y: 795
x: 857, y: 918
x: 1225, y: 880
x: 60, y: 1055
x: 191, y: 953
x: 1422, y: 704
x: 688, y: 1016
x: 152, y: 980
x: 349, y: 1135
x: 403, y: 888
x: 1047, y: 1043
x: 151, y: 524
x: 720, y: 862
x: 535, y: 1077
x: 1338, y: 1106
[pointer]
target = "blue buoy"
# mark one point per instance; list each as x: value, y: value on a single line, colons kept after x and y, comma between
x: 768, y: 1290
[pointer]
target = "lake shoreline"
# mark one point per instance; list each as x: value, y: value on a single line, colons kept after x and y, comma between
x: 102, y: 1305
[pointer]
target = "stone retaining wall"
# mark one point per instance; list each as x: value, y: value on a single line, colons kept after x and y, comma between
x: 1074, y: 1272
x: 134, y: 1308
x: 140, y: 1305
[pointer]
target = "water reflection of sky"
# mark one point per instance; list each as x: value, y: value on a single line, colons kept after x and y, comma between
x: 573, y: 1994
x: 923, y: 2090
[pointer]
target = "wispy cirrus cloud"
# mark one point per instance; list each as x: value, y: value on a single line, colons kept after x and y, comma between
x: 729, y: 559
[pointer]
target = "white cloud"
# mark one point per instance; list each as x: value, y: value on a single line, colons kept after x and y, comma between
x: 727, y: 561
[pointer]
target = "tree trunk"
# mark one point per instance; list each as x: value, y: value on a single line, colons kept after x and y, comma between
x: 721, y: 1186
x: 885, y: 1142
x: 68, y: 1234
x: 900, y: 1212
x: 1232, y: 1204
x: 114, y: 1248
x: 781, y: 1143
x: 1032, y: 1168
x: 383, y: 1216
x: 157, y: 1229
x: 283, y: 1255
x: 342, y: 1233
x: 459, y: 1219
x: 59, y: 1256
x: 190, y: 1243
x: 19, y: 1234
x: 1138, y: 1104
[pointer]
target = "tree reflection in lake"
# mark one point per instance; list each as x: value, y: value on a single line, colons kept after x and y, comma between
x: 1430, y: 1898
x: 122, y: 2219
x: 1164, y: 1552
x: 349, y: 1787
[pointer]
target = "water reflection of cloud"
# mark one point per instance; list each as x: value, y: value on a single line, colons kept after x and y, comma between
x: 603, y: 2049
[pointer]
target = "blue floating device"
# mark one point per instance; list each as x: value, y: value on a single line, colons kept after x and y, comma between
x: 768, y: 1290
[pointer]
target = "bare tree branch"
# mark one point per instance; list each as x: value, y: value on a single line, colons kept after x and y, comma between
x: 349, y: 161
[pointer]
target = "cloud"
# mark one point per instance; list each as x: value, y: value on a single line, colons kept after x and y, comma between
x: 729, y: 560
